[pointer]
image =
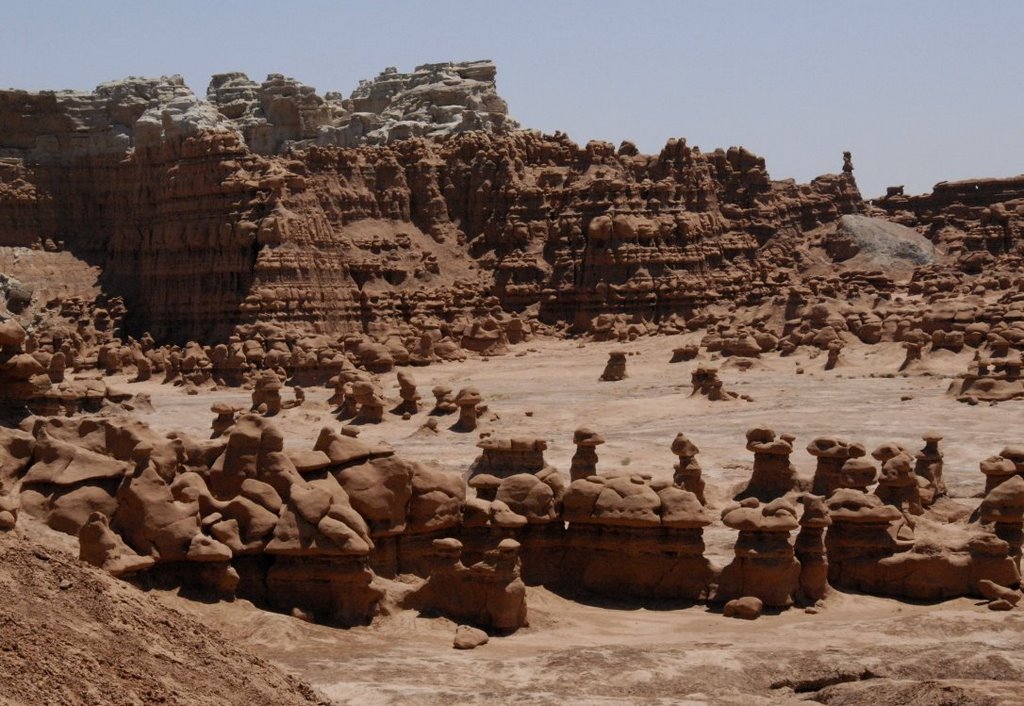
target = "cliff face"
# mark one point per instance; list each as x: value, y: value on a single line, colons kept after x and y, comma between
x: 145, y: 181
x: 974, y: 215
x: 198, y: 231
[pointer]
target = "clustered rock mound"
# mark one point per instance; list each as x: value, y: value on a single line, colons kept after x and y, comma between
x: 239, y: 514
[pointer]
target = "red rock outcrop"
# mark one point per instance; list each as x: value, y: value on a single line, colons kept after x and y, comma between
x: 630, y: 537
x: 199, y: 232
x: 773, y: 476
x: 488, y: 594
x: 765, y: 566
x: 970, y: 216
x: 872, y: 549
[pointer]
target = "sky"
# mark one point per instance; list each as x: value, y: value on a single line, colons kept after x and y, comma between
x: 919, y: 91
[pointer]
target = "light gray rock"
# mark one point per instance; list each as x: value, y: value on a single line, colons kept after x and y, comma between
x: 874, y: 243
x: 468, y: 638
x: 271, y: 117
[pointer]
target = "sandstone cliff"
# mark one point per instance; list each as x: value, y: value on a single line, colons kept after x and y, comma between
x: 243, y: 207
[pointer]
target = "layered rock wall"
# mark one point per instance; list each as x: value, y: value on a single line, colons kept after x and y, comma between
x: 974, y: 215
x: 207, y: 214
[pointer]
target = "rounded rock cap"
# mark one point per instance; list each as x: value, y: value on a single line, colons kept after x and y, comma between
x: 682, y: 446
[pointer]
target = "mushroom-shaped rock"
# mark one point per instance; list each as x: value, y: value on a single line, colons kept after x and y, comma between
x: 505, y: 457
x: 898, y: 486
x: 773, y: 476
x: 369, y: 401
x: 928, y: 466
x: 706, y: 383
x: 810, y: 548
x: 889, y: 450
x: 857, y: 474
x: 615, y: 368
x: 266, y: 395
x: 489, y: 593
x: 467, y: 401
x: 832, y: 453
x: 485, y: 485
x: 444, y: 401
x: 861, y: 536
x: 584, y: 461
x: 225, y: 418
x: 997, y: 470
x: 848, y: 505
x: 410, y: 403
x: 1003, y: 506
x: 687, y: 472
x: 765, y: 566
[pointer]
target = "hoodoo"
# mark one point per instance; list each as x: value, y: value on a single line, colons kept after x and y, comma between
x: 210, y: 311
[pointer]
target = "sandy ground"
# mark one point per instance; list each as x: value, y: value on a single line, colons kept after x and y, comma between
x: 585, y: 654
x: 556, y: 384
x: 854, y: 650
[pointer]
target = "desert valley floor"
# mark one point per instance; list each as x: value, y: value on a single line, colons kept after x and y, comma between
x: 852, y: 649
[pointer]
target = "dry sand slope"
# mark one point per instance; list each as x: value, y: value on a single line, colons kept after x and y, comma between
x: 72, y: 635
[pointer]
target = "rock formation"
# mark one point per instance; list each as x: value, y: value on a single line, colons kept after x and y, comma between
x: 687, y: 472
x: 870, y: 548
x: 928, y: 467
x: 810, y: 548
x: 630, y: 537
x: 897, y: 483
x: 415, y: 199
x: 584, y: 461
x: 444, y: 402
x: 266, y: 395
x: 225, y: 418
x: 773, y: 475
x: 997, y: 470
x: 488, y: 594
x: 765, y: 566
x: 684, y: 353
x: 705, y: 382
x: 1003, y: 508
x: 467, y: 401
x: 367, y: 398
x: 268, y: 235
x: 615, y: 369
x: 832, y: 453
x: 410, y: 403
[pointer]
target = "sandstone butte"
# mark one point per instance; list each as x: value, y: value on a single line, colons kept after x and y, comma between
x: 211, y: 312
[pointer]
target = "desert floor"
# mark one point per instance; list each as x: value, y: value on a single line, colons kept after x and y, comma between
x: 852, y: 649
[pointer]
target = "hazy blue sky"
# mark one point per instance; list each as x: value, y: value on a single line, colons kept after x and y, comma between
x: 919, y: 91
